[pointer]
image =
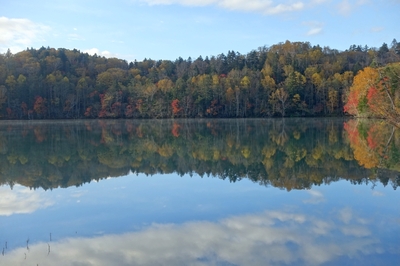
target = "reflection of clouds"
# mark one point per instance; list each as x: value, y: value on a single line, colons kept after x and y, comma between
x: 345, y: 215
x: 322, y: 227
x: 21, y: 200
x: 261, y: 239
x: 355, y: 231
x: 377, y: 193
x: 78, y: 194
x: 316, y: 197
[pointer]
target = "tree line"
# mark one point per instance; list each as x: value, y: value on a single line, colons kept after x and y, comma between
x: 286, y: 79
x: 273, y: 152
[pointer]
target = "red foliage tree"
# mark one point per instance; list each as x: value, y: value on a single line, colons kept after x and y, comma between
x: 88, y: 112
x: 352, y: 103
x: 40, y: 106
x: 175, y: 107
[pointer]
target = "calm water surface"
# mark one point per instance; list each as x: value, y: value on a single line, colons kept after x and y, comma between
x: 200, y: 192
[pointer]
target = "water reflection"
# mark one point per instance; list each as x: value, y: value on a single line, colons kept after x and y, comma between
x: 169, y: 220
x: 290, y: 153
x: 194, y: 221
x: 21, y: 200
x: 270, y: 237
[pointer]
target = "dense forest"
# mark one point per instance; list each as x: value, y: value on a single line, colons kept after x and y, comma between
x: 295, y: 153
x: 286, y: 79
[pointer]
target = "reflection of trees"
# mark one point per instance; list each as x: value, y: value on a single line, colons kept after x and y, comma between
x: 291, y: 154
x: 375, y: 144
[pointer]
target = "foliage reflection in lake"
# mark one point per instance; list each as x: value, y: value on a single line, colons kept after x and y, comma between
x: 291, y: 154
x: 154, y: 213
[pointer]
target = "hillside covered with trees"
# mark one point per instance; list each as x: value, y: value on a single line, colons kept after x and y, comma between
x: 286, y: 79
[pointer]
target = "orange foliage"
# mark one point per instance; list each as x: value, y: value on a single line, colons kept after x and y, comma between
x: 366, y: 151
x: 40, y: 105
x: 214, y: 108
x: 352, y: 103
x: 175, y: 130
x: 352, y: 131
x: 377, y: 100
x: 88, y: 112
x: 363, y: 81
x: 175, y: 107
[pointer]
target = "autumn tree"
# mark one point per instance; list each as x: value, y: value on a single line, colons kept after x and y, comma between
x: 383, y: 97
x: 175, y: 107
x: 357, y: 98
x: 281, y: 96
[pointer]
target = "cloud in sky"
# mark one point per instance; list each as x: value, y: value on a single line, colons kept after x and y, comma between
x: 17, y: 34
x: 346, y: 7
x: 214, y: 27
x: 105, y: 53
x: 21, y: 200
x: 315, y: 28
x: 267, y: 7
x: 317, y: 2
x: 258, y: 239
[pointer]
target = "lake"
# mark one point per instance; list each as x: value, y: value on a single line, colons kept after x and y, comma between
x: 200, y: 192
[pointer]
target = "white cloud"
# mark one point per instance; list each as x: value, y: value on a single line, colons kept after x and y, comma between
x: 318, y: 2
x: 345, y: 7
x: 18, y: 34
x: 259, y: 239
x: 315, y: 27
x: 104, y: 53
x: 314, y: 31
x: 267, y: 7
x: 21, y: 200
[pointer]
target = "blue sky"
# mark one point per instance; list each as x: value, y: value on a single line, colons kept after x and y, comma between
x: 167, y: 29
